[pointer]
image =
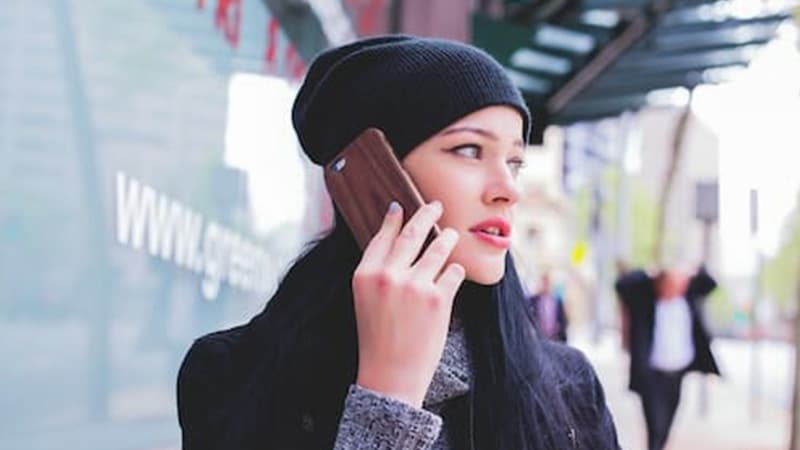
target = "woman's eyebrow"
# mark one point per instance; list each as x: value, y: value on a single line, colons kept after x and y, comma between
x: 476, y: 130
x: 481, y: 131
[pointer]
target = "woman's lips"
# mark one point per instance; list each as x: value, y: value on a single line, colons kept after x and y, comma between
x: 501, y: 242
x: 495, y: 232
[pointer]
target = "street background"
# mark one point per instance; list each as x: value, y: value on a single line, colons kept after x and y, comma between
x: 736, y: 418
x: 152, y: 189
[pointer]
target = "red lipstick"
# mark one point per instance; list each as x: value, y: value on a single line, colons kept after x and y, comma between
x: 495, y: 232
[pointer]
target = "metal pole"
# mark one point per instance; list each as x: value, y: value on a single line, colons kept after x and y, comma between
x: 97, y: 274
x: 599, y: 246
x: 755, y: 375
x: 755, y: 343
x: 396, y: 16
x: 794, y: 440
x: 622, y: 233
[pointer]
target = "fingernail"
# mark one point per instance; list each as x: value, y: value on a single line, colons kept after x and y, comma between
x: 450, y: 234
x: 437, y: 205
x: 394, y: 207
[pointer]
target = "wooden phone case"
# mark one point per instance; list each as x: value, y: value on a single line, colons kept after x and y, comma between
x: 364, y: 179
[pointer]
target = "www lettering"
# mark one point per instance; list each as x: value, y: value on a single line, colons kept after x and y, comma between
x: 147, y: 220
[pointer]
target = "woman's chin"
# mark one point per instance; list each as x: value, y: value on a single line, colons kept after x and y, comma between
x: 485, y: 276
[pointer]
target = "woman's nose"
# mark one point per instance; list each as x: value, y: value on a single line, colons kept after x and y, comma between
x: 501, y: 186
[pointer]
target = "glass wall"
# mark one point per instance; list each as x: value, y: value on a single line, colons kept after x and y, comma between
x: 151, y: 190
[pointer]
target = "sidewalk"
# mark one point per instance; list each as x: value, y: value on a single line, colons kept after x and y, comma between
x: 729, y: 423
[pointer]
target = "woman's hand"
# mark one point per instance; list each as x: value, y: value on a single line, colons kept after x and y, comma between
x: 403, y: 308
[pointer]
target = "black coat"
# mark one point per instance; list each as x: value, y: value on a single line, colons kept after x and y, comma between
x: 637, y: 292
x: 220, y: 389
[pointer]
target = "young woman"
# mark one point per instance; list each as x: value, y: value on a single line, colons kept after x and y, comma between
x: 381, y: 350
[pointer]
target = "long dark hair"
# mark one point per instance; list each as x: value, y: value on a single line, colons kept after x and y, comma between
x: 307, y: 335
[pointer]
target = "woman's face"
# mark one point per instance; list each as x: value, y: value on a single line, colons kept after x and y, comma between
x: 471, y: 167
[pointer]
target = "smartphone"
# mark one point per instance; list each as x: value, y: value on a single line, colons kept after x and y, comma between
x: 364, y: 178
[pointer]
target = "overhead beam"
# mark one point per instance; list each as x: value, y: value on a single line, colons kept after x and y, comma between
x: 621, y: 83
x: 730, y: 36
x: 610, y: 106
x: 634, y: 64
x: 702, y: 15
x: 597, y: 65
x: 599, y: 108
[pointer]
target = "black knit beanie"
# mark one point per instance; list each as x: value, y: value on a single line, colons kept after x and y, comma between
x: 407, y: 86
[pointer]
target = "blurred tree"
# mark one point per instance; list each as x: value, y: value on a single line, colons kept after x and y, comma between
x: 795, y: 439
x: 645, y: 215
x: 669, y: 180
x: 781, y: 273
x: 643, y: 211
x: 723, y: 317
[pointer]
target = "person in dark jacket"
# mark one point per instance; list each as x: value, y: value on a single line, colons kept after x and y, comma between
x: 547, y: 307
x: 667, y: 337
x: 380, y: 349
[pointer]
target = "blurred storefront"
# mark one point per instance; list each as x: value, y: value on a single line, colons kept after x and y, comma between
x: 151, y: 190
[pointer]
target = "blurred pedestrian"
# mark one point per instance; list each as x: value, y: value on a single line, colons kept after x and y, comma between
x: 667, y: 337
x: 547, y: 306
x: 382, y: 350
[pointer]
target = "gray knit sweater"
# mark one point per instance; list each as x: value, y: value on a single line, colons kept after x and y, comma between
x: 373, y: 421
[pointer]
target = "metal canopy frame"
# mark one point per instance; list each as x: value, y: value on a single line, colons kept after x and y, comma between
x: 623, y: 50
x: 578, y: 60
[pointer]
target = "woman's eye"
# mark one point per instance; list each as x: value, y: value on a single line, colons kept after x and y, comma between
x: 516, y: 165
x: 468, y: 151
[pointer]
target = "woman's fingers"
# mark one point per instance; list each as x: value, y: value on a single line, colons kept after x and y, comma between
x: 450, y: 280
x: 381, y: 244
x: 433, y: 259
x: 408, y: 243
x: 403, y: 311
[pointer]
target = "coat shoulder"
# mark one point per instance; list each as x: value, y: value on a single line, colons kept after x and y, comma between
x: 210, y: 353
x: 204, y: 379
x: 566, y: 359
x: 584, y: 396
